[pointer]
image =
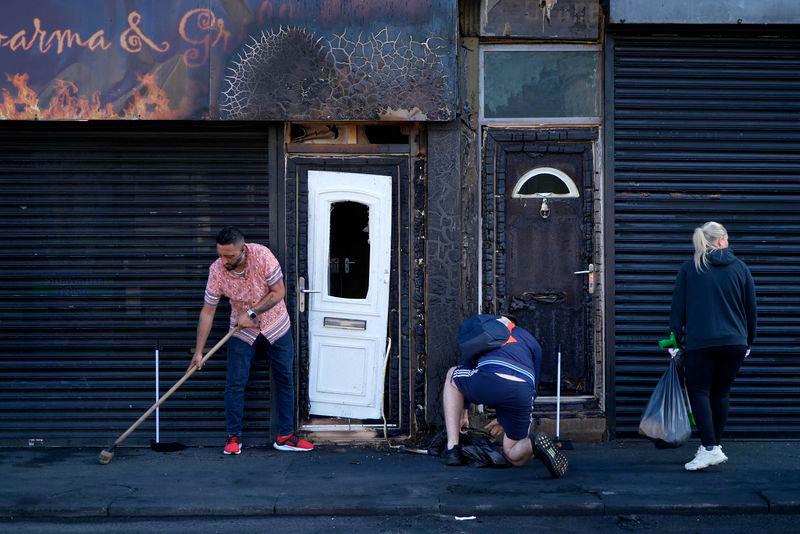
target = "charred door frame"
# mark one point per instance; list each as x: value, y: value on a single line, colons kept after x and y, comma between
x: 498, y: 142
x: 400, y: 285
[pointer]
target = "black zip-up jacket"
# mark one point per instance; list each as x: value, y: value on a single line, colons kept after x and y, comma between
x: 714, y: 307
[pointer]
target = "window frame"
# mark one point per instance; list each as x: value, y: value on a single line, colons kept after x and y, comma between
x: 528, y: 121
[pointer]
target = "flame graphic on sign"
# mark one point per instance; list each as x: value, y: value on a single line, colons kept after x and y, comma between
x: 149, y: 101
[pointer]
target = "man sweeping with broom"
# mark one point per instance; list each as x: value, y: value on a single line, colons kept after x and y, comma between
x: 250, y: 276
x: 499, y: 366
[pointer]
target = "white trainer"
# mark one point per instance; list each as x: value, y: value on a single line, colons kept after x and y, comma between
x: 722, y: 453
x: 705, y: 458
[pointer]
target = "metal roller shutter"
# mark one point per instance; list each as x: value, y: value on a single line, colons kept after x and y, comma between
x: 708, y: 129
x: 107, y: 234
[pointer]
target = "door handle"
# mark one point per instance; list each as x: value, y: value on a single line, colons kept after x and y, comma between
x: 347, y: 263
x: 301, y: 293
x: 590, y: 272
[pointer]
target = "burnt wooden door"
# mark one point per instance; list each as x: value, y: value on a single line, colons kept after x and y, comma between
x: 538, y: 247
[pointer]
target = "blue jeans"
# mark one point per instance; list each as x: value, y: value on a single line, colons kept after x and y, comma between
x: 240, y: 357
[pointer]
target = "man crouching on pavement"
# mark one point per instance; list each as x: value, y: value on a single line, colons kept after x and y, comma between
x: 504, y: 378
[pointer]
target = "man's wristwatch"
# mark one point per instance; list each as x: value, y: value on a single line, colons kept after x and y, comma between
x: 252, y: 314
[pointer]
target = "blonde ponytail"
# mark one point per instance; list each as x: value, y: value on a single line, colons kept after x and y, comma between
x: 704, y: 239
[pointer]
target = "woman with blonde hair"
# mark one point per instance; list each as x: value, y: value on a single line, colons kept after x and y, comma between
x: 714, y: 319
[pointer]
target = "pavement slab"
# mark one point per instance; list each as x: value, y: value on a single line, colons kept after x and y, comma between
x: 606, y: 479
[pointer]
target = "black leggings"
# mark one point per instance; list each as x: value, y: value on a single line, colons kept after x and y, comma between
x: 709, y: 376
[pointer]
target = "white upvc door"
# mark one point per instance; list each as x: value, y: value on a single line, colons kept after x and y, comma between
x: 349, y: 255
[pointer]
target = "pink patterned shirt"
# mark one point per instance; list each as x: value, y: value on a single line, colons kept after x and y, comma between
x: 245, y: 291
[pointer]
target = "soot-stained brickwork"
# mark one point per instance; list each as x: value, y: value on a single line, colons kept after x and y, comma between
x: 291, y: 73
x: 419, y: 278
x: 470, y: 200
x: 444, y: 258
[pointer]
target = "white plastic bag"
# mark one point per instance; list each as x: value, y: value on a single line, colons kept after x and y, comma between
x: 665, y: 419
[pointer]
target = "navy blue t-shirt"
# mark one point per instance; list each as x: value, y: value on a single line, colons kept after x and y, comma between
x: 521, y: 357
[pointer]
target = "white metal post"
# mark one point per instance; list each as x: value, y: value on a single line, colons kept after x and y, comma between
x: 158, y: 437
x: 558, y: 396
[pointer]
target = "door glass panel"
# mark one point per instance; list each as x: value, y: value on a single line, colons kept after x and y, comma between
x: 545, y: 181
x: 348, y: 264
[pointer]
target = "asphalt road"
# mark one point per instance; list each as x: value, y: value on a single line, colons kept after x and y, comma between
x: 423, y: 524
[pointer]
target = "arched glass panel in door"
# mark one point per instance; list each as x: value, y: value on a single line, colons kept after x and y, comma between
x: 545, y: 182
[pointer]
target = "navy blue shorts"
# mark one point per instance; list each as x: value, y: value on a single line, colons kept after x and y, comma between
x: 512, y: 400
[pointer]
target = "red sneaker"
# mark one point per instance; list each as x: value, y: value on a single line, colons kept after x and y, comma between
x: 290, y: 442
x: 233, y: 446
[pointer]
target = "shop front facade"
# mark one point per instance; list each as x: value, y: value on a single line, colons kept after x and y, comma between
x: 409, y: 163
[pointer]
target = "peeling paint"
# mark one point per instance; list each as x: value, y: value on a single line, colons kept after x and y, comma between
x: 413, y: 114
